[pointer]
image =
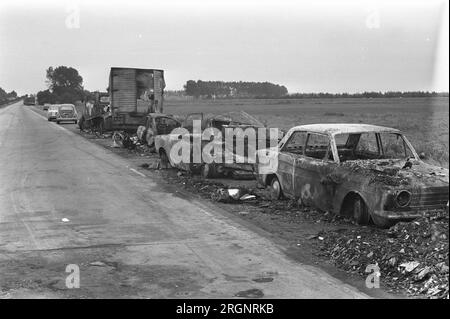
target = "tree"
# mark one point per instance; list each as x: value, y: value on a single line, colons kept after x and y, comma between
x: 12, y: 94
x: 236, y: 89
x: 191, y: 88
x: 46, y: 97
x: 65, y: 83
x: 3, y: 96
x: 63, y: 76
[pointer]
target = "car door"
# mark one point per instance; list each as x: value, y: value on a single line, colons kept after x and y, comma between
x: 289, y: 151
x: 313, y: 183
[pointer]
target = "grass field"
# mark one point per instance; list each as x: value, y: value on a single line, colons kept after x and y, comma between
x: 424, y: 120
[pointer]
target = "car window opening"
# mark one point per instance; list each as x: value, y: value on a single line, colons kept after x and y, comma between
x: 369, y: 146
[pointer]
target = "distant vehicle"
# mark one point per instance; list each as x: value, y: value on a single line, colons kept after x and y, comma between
x: 52, y: 112
x: 30, y: 100
x: 46, y: 106
x: 371, y: 173
x: 66, y: 113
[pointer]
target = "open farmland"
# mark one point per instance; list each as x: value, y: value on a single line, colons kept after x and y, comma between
x: 424, y: 120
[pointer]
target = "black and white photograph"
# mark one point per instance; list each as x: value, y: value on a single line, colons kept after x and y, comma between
x: 224, y: 155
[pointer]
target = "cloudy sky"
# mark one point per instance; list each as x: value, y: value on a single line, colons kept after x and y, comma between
x: 308, y: 46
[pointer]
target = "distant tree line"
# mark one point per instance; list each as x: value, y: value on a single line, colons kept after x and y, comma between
x: 5, y: 97
x: 389, y: 94
x: 65, y: 85
x: 221, y: 89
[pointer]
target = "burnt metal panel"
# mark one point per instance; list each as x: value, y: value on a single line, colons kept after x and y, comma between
x: 123, y: 90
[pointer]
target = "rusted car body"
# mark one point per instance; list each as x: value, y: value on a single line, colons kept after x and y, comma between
x: 156, y: 124
x: 369, y: 172
x: 232, y: 120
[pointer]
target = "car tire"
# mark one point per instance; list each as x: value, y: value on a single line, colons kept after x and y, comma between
x: 164, y: 160
x: 57, y: 122
x: 275, y: 188
x: 360, y: 211
x: 76, y: 121
x: 208, y: 170
x: 382, y: 222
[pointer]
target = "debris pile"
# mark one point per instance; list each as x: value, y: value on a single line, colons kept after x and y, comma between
x: 228, y: 195
x: 412, y: 256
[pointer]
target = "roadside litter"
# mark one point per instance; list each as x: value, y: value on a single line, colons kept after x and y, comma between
x: 232, y: 195
x: 413, y: 256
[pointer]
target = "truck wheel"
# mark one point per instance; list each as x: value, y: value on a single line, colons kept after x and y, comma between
x: 208, y: 170
x: 164, y: 160
x: 101, y: 126
x: 382, y: 222
x: 275, y: 188
x: 360, y: 211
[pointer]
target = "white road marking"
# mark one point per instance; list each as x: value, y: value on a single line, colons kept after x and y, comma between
x: 137, y: 172
x: 205, y: 212
x: 56, y: 125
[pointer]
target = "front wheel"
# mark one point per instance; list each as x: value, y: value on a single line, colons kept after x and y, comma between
x: 360, y: 212
x: 382, y: 222
x: 164, y: 160
x: 275, y: 188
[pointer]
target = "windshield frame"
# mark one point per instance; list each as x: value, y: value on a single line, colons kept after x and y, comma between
x: 402, y: 136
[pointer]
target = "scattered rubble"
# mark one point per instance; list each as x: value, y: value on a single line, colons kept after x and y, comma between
x: 412, y: 256
x: 232, y: 194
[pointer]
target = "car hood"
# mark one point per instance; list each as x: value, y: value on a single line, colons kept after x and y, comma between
x: 396, y: 173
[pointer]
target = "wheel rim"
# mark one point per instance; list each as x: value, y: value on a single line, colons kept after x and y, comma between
x: 276, y: 189
x: 165, y: 160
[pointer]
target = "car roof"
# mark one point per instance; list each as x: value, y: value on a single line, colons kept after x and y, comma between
x: 343, y: 128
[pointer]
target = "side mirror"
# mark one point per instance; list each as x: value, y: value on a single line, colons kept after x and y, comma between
x: 422, y: 155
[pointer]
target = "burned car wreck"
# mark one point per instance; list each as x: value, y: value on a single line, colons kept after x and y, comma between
x: 367, y: 172
x: 239, y: 166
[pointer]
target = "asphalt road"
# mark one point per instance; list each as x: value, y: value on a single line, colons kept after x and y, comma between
x: 66, y: 201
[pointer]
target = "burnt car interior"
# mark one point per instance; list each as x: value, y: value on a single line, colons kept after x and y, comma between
x: 309, y: 144
x: 165, y: 125
x: 367, y: 146
x: 357, y: 146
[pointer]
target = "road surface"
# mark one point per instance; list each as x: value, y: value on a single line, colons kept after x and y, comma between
x: 66, y: 201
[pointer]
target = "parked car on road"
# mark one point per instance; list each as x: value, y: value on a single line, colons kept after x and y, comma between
x: 52, y: 111
x: 66, y: 113
x: 369, y: 172
x: 46, y: 106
